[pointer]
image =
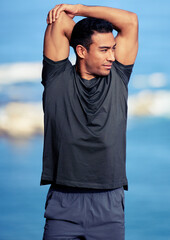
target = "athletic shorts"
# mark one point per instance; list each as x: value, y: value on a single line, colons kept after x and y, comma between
x: 84, y: 214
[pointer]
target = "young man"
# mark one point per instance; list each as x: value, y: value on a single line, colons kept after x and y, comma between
x: 85, y: 114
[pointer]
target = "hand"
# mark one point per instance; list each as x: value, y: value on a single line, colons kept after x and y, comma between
x: 69, y: 9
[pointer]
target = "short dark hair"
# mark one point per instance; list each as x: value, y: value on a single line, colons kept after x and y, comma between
x: 85, y: 28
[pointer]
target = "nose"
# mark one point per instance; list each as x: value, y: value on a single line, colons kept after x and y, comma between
x: 111, y: 56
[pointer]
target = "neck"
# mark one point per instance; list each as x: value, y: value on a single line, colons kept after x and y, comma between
x: 80, y: 69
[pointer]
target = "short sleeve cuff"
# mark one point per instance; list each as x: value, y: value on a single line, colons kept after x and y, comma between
x: 124, y: 71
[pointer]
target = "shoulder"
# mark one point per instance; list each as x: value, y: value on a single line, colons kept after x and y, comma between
x: 56, y: 65
x: 124, y: 71
x: 53, y: 69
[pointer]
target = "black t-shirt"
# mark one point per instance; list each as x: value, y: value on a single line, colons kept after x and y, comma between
x: 84, y: 126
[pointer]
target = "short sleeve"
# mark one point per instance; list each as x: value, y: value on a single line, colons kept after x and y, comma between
x: 124, y: 71
x: 52, y: 69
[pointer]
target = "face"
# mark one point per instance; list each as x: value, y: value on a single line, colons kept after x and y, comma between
x: 98, y: 60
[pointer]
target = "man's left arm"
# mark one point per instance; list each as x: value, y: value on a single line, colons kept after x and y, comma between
x: 125, y: 23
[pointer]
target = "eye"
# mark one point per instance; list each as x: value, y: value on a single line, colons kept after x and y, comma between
x: 104, y: 50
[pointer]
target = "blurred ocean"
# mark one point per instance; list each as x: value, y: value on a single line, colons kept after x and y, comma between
x: 21, y: 121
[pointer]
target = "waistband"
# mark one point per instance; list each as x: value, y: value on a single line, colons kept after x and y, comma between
x: 66, y: 189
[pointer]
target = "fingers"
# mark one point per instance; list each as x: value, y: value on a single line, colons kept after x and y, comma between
x: 60, y: 8
x: 48, y: 17
x: 70, y: 9
x: 53, y: 14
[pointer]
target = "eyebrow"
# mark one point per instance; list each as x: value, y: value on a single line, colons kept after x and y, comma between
x: 101, y: 47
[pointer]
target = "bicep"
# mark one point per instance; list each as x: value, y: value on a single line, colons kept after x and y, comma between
x: 56, y: 41
x: 127, y: 45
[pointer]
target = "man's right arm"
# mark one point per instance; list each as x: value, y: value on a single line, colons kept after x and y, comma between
x: 57, y: 36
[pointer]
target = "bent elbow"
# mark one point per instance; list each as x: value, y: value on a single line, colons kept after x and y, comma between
x: 134, y: 19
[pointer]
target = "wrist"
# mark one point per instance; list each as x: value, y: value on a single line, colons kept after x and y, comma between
x: 81, y: 10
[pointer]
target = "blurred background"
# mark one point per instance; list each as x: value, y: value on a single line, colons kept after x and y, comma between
x: 22, y: 200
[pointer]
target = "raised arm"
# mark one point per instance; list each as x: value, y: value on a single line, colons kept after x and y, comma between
x: 125, y: 22
x: 57, y: 35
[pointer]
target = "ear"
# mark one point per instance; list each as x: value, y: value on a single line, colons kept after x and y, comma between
x: 81, y: 51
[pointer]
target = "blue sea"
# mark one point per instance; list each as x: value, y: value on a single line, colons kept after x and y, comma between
x: 147, y: 202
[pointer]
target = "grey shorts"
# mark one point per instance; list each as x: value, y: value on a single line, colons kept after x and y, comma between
x: 84, y: 215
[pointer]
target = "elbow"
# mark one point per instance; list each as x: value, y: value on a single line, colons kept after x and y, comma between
x: 134, y: 20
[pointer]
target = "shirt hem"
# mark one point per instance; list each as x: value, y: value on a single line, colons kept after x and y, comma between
x: 123, y: 183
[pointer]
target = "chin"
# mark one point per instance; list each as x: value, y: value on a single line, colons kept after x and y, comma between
x: 105, y: 73
x: 102, y: 73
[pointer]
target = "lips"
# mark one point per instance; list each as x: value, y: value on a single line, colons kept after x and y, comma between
x: 108, y: 66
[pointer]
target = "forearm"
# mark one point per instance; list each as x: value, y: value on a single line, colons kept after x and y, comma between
x: 63, y: 26
x: 119, y: 18
x: 57, y: 36
x: 68, y: 25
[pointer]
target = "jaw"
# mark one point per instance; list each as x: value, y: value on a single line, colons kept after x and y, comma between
x: 85, y: 70
x: 96, y: 73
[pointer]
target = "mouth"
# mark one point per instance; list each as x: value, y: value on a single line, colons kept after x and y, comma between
x: 108, y: 66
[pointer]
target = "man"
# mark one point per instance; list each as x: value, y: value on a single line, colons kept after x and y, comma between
x: 85, y: 113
